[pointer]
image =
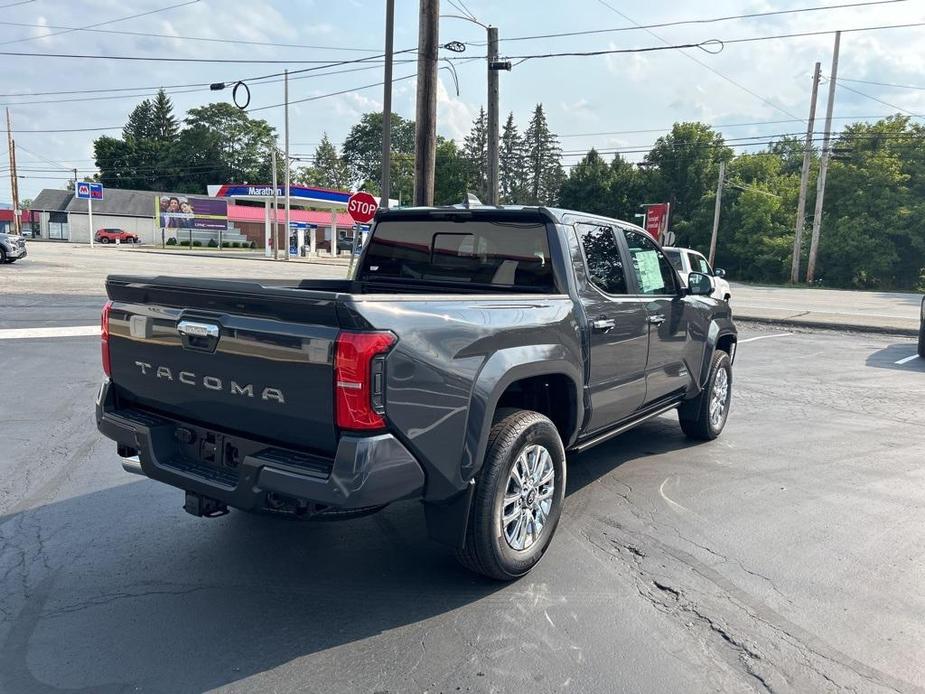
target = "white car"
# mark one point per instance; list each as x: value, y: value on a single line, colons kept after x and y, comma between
x: 686, y: 260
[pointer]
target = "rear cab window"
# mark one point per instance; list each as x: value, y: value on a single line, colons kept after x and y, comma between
x: 475, y: 253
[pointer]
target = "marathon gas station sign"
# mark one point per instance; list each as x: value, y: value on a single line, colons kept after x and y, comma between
x: 320, y: 197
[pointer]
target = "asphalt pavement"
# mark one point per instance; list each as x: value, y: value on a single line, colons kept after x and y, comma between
x: 785, y: 556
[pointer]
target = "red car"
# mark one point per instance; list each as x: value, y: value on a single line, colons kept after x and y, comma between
x: 113, y: 235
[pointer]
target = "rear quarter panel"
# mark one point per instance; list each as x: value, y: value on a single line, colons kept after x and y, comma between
x: 454, y: 357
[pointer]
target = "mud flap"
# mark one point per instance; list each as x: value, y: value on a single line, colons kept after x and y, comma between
x: 448, y: 520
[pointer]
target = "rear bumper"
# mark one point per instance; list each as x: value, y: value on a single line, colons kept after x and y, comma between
x: 365, y: 471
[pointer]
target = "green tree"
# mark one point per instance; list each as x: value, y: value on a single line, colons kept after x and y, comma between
x: 511, y: 163
x: 687, y: 161
x: 328, y: 170
x: 140, y: 124
x: 588, y: 186
x: 362, y: 153
x: 475, y: 150
x: 164, y: 127
x: 544, y: 173
x: 451, y: 173
x: 245, y: 143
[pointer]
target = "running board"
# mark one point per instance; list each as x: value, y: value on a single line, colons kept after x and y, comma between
x: 607, y: 435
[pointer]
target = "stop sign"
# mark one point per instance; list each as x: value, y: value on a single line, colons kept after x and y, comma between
x: 362, y: 207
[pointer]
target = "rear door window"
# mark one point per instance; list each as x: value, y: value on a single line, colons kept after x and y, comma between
x: 602, y: 257
x: 699, y: 263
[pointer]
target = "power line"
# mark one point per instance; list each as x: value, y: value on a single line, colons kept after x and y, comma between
x: 703, y: 64
x: 683, y: 22
x: 14, y: 4
x: 166, y: 59
x: 98, y: 24
x: 880, y: 101
x: 204, y: 39
x: 881, y: 84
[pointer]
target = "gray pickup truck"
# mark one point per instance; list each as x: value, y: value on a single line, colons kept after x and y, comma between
x: 469, y: 353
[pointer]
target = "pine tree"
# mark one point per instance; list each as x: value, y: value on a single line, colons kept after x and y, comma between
x: 140, y: 125
x: 511, y: 163
x: 328, y: 169
x: 475, y: 150
x: 544, y: 173
x: 163, y: 125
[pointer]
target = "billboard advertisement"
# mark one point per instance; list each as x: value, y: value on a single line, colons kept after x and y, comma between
x: 188, y: 212
x: 657, y: 220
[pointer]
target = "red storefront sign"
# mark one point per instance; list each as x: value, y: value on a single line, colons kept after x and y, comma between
x: 657, y: 220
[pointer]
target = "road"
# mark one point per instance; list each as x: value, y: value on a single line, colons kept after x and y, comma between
x: 785, y: 556
x: 884, y: 311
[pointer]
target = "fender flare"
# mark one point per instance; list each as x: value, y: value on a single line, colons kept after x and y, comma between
x: 719, y: 328
x: 503, y: 368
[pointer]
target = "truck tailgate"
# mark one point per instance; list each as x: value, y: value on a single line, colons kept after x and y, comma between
x: 236, y: 356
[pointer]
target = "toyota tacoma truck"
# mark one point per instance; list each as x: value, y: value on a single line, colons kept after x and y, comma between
x: 472, y: 349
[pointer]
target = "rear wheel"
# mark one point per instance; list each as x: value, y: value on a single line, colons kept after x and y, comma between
x: 518, y: 497
x: 104, y: 239
x: 705, y: 416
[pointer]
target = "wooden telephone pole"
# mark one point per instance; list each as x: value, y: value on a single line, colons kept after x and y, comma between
x: 823, y: 166
x: 804, y: 179
x: 14, y: 178
x: 425, y: 126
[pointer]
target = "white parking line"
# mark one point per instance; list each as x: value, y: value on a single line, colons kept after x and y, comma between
x: 907, y: 359
x: 66, y: 331
x: 763, y: 337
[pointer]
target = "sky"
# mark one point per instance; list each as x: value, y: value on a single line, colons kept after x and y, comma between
x: 606, y: 101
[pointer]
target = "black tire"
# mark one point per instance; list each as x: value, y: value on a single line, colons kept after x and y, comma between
x: 695, y: 416
x: 922, y: 340
x: 2, y: 256
x: 104, y: 239
x: 487, y: 550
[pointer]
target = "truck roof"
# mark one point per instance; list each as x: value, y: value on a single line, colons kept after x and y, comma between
x: 520, y: 212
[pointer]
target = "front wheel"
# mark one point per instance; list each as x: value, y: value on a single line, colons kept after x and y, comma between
x: 922, y: 340
x: 2, y: 256
x: 705, y: 416
x: 518, y: 497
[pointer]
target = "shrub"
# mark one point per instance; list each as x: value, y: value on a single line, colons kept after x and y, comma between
x: 226, y: 244
x: 235, y: 244
x: 184, y: 243
x: 253, y: 245
x: 197, y: 244
x: 171, y: 241
x: 212, y: 243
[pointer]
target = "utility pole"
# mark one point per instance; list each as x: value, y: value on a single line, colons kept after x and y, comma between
x: 804, y: 179
x: 286, y: 137
x: 275, y: 217
x: 385, y: 185
x: 14, y: 179
x: 716, y: 209
x: 425, y: 127
x: 823, y: 165
x: 492, y: 116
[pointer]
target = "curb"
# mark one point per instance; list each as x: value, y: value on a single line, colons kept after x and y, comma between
x: 824, y: 325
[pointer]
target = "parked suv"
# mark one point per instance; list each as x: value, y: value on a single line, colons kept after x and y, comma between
x: 686, y: 261
x: 12, y: 248
x: 470, y: 351
x: 113, y: 235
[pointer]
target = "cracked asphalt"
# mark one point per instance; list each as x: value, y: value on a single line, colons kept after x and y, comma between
x: 787, y: 556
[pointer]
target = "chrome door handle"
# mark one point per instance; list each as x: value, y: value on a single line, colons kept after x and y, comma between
x: 603, y: 324
x: 193, y: 329
x: 657, y: 319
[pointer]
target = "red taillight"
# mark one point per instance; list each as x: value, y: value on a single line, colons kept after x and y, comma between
x: 104, y: 338
x: 359, y: 379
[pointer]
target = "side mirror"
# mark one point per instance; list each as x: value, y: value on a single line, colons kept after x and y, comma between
x: 719, y: 272
x: 699, y: 284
